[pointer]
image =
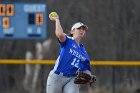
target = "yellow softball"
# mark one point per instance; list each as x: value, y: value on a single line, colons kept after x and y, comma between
x: 54, y: 14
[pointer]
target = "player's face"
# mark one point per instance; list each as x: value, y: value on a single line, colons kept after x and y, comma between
x: 80, y: 31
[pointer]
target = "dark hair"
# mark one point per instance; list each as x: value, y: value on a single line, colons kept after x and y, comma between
x: 71, y: 35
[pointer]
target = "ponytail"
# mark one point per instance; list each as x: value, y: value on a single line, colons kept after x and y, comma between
x: 71, y: 35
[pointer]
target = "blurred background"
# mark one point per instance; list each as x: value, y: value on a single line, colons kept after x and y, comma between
x: 113, y: 35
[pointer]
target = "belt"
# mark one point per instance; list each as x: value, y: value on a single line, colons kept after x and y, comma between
x: 64, y: 74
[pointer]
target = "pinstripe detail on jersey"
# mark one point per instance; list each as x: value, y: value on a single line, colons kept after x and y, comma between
x: 56, y: 64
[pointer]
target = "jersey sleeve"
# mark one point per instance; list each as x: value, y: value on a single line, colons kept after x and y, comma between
x: 84, y: 66
x: 63, y: 43
x: 87, y: 66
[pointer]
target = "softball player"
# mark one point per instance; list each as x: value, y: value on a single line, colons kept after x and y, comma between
x: 72, y: 57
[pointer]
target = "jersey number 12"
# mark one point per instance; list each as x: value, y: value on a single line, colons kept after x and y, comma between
x: 75, y: 62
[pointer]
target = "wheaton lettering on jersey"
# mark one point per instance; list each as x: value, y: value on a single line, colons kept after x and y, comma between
x: 76, y: 54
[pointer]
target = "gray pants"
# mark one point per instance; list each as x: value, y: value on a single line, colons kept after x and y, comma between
x: 61, y: 84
